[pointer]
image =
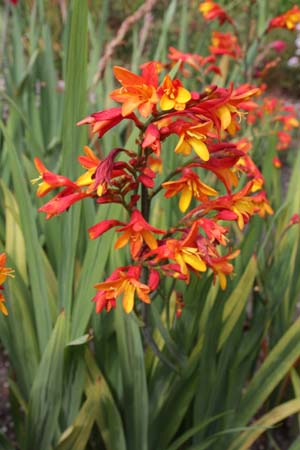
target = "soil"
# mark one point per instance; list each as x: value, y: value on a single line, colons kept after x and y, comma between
x: 6, y: 422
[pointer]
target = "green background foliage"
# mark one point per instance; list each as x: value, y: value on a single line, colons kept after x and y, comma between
x: 82, y: 381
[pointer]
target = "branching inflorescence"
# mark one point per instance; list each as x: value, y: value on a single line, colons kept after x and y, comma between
x: 200, y: 122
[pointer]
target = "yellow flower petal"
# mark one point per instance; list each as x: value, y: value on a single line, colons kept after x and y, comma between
x: 183, y: 95
x: 166, y: 103
x: 149, y: 239
x: 180, y: 260
x: 185, y: 199
x: 100, y: 190
x: 200, y: 148
x: 194, y: 261
x: 183, y: 146
x: 224, y: 115
x: 86, y: 178
x: 2, y: 278
x: 3, y: 308
x: 222, y: 280
x: 207, y: 190
x: 128, y: 299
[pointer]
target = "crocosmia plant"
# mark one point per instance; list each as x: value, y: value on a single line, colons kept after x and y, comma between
x: 202, y: 124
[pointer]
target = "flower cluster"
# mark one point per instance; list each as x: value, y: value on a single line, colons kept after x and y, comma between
x: 221, y: 43
x: 200, y: 122
x: 4, y: 273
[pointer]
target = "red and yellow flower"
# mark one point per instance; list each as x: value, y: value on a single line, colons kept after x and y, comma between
x: 173, y: 95
x: 137, y: 92
x: 193, y: 137
x: 49, y: 180
x: 225, y: 44
x: 4, y: 273
x: 184, y: 252
x: 287, y: 20
x: 137, y: 232
x: 212, y: 11
x: 125, y: 282
x: 189, y: 185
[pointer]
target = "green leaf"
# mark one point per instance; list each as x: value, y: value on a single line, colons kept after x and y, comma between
x: 80, y: 340
x: 108, y: 417
x: 295, y: 445
x: 77, y: 435
x: 162, y: 43
x: 93, y: 267
x: 15, y: 243
x: 190, y: 433
x: 246, y: 439
x: 237, y: 301
x: 46, y: 392
x: 135, y: 399
x: 73, y: 139
x: 33, y: 248
x: 274, y: 368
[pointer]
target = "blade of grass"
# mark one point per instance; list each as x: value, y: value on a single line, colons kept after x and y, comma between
x: 46, y: 392
x: 274, y: 368
x: 77, y: 435
x: 246, y: 439
x: 134, y: 380
x: 33, y: 248
x: 73, y: 139
x: 108, y: 418
x: 236, y: 303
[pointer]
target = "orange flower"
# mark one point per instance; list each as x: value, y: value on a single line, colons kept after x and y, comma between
x: 238, y: 98
x: 222, y: 267
x: 152, y: 139
x: 225, y: 44
x: 212, y: 10
x: 284, y: 140
x: 137, y: 92
x: 49, y: 179
x: 124, y: 282
x: 4, y: 273
x: 262, y: 205
x: 136, y: 232
x: 192, y: 59
x: 238, y: 207
x: 155, y: 164
x: 102, y: 121
x: 62, y: 202
x: 190, y: 186
x: 287, y: 20
x: 184, y: 252
x: 174, y: 95
x: 246, y: 165
x: 193, y: 137
x: 276, y: 162
x: 90, y: 162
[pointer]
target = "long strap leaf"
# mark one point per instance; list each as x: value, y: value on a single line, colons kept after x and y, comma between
x: 73, y: 139
x: 46, y: 392
x: 33, y: 248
